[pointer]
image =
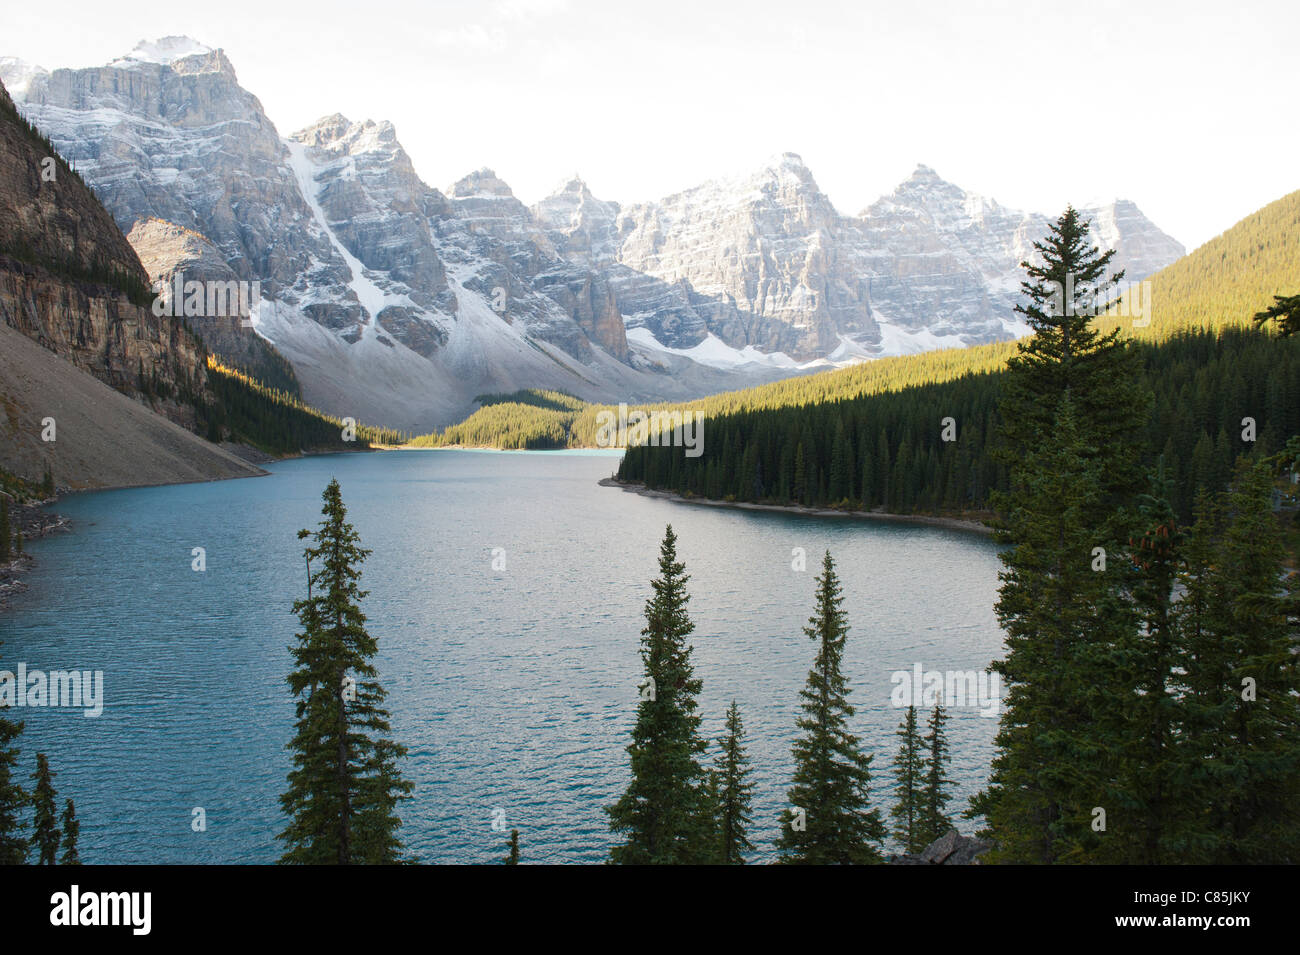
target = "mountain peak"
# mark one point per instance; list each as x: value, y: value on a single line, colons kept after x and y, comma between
x: 786, y: 162
x: 324, y: 130
x: 482, y: 183
x: 17, y: 75
x: 166, y: 50
x: 573, y: 186
x: 926, y: 184
x: 786, y: 168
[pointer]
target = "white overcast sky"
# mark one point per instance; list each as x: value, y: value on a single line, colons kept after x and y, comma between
x: 1188, y: 108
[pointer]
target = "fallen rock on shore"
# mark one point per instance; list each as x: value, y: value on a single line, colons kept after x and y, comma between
x: 952, y: 848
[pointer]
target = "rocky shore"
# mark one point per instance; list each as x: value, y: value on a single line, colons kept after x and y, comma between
x: 32, y: 522
x: 952, y: 848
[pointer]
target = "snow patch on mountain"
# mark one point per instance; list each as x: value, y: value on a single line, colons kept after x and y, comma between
x: 372, y: 298
x: 713, y: 352
x: 163, y: 51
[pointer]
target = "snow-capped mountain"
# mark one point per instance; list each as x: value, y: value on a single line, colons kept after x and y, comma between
x: 945, y: 263
x: 398, y: 303
x: 928, y: 266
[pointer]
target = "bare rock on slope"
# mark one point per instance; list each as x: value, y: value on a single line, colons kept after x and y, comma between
x: 168, y: 251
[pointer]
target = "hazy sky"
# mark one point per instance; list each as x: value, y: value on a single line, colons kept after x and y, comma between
x: 1186, y: 107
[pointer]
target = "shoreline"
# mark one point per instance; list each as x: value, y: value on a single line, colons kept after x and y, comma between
x: 33, y: 523
x: 931, y: 520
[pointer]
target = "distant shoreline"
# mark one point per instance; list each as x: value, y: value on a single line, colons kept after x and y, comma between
x: 948, y: 523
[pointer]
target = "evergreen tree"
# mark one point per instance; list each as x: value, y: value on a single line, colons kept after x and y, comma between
x: 1063, y: 616
x: 345, y: 785
x: 841, y: 470
x: 799, y: 488
x: 45, y: 837
x: 1072, y: 412
x: 734, y: 790
x: 1286, y: 309
x: 13, y: 800
x: 1147, y: 717
x: 1242, y: 694
x: 71, y: 831
x: 710, y: 832
x: 935, y: 796
x: 513, y: 857
x: 829, y: 820
x: 1067, y: 357
x: 664, y: 816
x: 909, y: 769
x: 1202, y: 707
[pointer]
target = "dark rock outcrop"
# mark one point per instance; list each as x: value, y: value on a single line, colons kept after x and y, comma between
x: 952, y: 848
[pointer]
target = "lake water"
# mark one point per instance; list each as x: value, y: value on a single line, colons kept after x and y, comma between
x: 513, y: 689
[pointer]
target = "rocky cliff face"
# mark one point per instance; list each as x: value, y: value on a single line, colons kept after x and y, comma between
x: 63, y: 267
x: 398, y: 302
x: 766, y: 246
x: 78, y: 339
x: 928, y: 266
x: 946, y: 262
x: 169, y: 252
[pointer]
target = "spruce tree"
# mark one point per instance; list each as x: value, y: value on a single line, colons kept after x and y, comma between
x: 1066, y: 356
x: 1202, y: 704
x: 1072, y: 416
x: 345, y: 785
x: 829, y: 820
x: 710, y: 832
x: 512, y: 858
x: 909, y: 769
x: 1063, y: 616
x: 935, y: 794
x: 841, y: 470
x: 45, y: 823
x: 1286, y: 310
x: 71, y: 832
x: 1147, y: 719
x: 664, y: 817
x: 799, y: 489
x: 13, y: 799
x: 1242, y: 693
x: 734, y: 791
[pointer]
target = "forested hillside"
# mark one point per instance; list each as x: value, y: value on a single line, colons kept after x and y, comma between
x: 889, y: 450
x: 519, y: 421
x: 277, y: 422
x: 1231, y: 277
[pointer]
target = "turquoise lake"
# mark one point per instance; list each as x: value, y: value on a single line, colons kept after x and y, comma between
x: 514, y: 689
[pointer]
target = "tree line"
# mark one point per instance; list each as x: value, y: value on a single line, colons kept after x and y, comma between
x: 241, y: 408
x: 934, y: 448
